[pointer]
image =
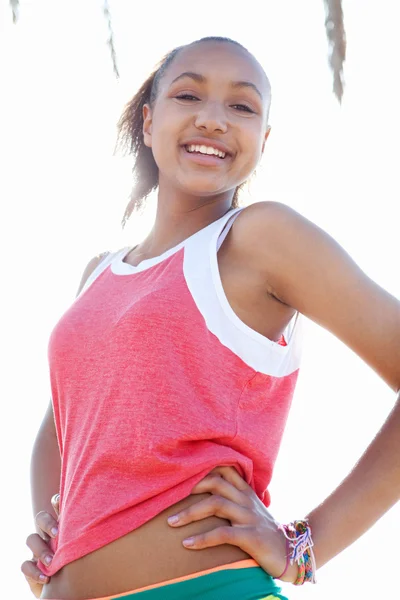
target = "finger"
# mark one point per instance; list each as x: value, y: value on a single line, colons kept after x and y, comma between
x: 46, y: 523
x: 55, y: 502
x: 40, y: 549
x: 214, y: 506
x: 218, y: 485
x: 32, y: 573
x: 219, y: 536
x: 231, y: 475
x: 36, y: 588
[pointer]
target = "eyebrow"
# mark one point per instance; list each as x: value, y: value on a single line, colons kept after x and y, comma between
x: 201, y: 79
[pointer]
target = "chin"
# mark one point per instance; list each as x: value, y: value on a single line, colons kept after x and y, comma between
x: 199, y: 187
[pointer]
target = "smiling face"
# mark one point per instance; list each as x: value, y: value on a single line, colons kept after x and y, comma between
x: 208, y: 125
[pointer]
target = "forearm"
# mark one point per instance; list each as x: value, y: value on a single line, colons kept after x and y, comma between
x: 45, y: 471
x: 369, y: 491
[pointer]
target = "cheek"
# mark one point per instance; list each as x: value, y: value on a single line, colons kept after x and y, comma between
x: 256, y: 140
x: 163, y: 152
x: 252, y: 149
x: 164, y: 143
x: 250, y: 136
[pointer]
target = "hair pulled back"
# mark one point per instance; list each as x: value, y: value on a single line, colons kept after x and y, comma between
x: 130, y: 133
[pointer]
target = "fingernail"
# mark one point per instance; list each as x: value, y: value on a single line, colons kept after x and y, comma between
x: 43, y: 577
x: 48, y: 559
x: 173, y: 520
x: 188, y: 542
x: 54, y: 531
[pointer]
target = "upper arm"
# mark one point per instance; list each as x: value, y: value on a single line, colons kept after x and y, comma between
x: 48, y: 425
x: 307, y: 269
x: 90, y: 267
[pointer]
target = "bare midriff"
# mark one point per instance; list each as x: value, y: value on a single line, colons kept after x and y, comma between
x: 150, y: 554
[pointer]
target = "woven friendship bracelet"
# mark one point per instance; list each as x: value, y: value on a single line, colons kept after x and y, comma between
x: 298, y: 534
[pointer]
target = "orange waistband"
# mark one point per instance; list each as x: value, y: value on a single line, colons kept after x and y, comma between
x: 239, y: 564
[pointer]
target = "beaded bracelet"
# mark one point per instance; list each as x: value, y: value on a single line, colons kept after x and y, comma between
x: 298, y: 534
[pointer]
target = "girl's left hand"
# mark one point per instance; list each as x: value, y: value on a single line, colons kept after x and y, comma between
x: 253, y: 529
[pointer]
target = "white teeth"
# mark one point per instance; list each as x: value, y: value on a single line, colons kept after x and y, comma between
x: 205, y: 150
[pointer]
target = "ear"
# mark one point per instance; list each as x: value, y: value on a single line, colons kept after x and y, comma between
x: 147, y: 125
x: 268, y: 131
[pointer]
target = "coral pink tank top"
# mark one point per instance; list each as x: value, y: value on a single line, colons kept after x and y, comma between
x: 155, y: 382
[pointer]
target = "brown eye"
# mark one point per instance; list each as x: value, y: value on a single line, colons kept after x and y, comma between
x: 242, y: 107
x: 186, y: 97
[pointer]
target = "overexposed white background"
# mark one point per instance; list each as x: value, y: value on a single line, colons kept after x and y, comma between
x: 63, y: 195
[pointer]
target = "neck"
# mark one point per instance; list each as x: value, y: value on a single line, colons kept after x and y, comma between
x: 180, y: 217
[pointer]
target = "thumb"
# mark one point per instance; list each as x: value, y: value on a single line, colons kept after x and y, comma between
x: 55, y: 502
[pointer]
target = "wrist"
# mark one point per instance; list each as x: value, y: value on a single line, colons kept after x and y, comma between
x: 291, y: 574
x: 300, y: 560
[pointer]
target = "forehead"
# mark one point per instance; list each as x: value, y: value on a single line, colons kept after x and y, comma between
x: 220, y: 62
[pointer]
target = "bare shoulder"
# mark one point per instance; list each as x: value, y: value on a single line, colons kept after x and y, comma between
x: 308, y: 270
x: 272, y: 218
x: 285, y: 244
x: 269, y: 234
x: 90, y: 267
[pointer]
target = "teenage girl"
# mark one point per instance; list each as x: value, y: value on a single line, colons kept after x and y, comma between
x: 173, y: 371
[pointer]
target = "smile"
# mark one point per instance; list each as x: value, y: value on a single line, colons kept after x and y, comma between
x: 209, y: 150
x: 205, y: 156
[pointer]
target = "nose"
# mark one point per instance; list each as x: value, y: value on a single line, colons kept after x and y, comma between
x: 211, y: 118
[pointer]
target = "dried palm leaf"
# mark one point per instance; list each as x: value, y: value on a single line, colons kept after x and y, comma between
x: 15, y: 8
x: 335, y: 31
x: 110, y: 41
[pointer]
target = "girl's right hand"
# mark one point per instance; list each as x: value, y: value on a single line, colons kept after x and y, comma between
x: 38, y: 544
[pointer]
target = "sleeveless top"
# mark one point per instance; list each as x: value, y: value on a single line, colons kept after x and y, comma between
x: 155, y: 381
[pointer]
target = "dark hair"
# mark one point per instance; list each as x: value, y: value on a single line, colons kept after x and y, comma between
x: 130, y: 133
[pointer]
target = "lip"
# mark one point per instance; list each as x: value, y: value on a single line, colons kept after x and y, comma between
x: 201, y: 141
x: 205, y: 160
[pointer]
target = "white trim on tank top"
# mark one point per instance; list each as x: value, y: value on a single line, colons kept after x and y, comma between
x: 203, y: 279
x: 119, y: 267
x: 205, y: 285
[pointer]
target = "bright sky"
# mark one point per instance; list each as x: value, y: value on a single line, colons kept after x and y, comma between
x: 63, y: 197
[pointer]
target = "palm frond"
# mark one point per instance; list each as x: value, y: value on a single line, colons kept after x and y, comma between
x: 110, y: 41
x: 334, y: 25
x: 14, y: 4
